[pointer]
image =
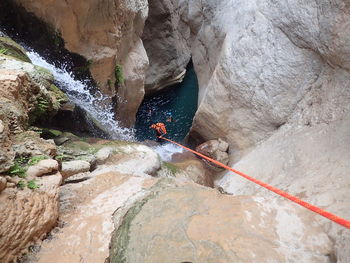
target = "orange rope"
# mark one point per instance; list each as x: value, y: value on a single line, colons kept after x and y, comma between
x: 330, y: 216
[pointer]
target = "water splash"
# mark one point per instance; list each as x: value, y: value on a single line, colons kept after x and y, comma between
x: 167, y: 150
x: 97, y: 105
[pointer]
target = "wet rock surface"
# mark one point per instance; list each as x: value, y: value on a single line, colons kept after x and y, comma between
x: 213, y: 228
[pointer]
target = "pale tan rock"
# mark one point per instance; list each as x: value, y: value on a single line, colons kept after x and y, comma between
x: 87, y: 208
x: 223, y: 146
x: 132, y: 93
x: 246, y: 94
x: 74, y: 167
x: 15, y: 92
x: 2, y: 183
x: 133, y: 159
x: 1, y: 127
x: 195, y: 171
x: 10, y: 185
x: 188, y: 223
x: 165, y: 39
x: 103, y: 154
x: 43, y: 167
x: 27, y: 216
x: 6, y: 153
x: 311, y: 163
x: 213, y: 149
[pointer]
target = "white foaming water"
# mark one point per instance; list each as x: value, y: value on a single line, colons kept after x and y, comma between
x: 97, y: 105
x: 166, y: 151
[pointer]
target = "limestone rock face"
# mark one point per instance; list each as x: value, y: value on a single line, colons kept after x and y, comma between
x: 2, y: 183
x: 29, y: 143
x: 6, y: 152
x: 165, y: 38
x: 27, y: 92
x: 106, y: 33
x: 214, y: 228
x: 132, y: 92
x: 15, y: 93
x: 310, y: 163
x: 256, y: 61
x: 26, y: 216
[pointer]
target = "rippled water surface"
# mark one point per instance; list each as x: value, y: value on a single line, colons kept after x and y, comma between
x: 180, y: 100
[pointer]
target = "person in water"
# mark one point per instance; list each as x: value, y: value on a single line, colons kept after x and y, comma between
x: 160, y: 129
x: 170, y: 117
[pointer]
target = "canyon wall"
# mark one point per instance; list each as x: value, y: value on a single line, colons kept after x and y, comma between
x: 275, y: 82
x: 107, y: 33
x: 256, y: 62
x: 165, y: 38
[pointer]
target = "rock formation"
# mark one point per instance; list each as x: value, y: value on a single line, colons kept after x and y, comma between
x: 108, y: 35
x: 27, y: 216
x: 28, y: 204
x: 165, y: 39
x: 268, y: 73
x: 310, y: 163
x: 258, y: 60
x: 213, y: 228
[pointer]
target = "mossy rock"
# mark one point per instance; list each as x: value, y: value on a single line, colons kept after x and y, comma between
x: 173, y: 169
x: 11, y: 48
x: 51, y: 133
x: 58, y: 94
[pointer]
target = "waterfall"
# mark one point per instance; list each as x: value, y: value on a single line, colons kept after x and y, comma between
x: 98, y: 105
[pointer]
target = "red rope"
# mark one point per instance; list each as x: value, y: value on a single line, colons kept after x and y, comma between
x: 330, y: 216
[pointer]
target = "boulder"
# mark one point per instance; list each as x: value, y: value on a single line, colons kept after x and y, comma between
x: 214, y: 228
x: 132, y: 159
x: 215, y: 149
x: 43, y: 167
x: 195, y: 171
x: 74, y: 167
x: 27, y: 216
x: 103, y: 154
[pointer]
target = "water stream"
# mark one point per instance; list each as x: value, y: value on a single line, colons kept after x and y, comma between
x: 97, y: 105
x: 180, y: 100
